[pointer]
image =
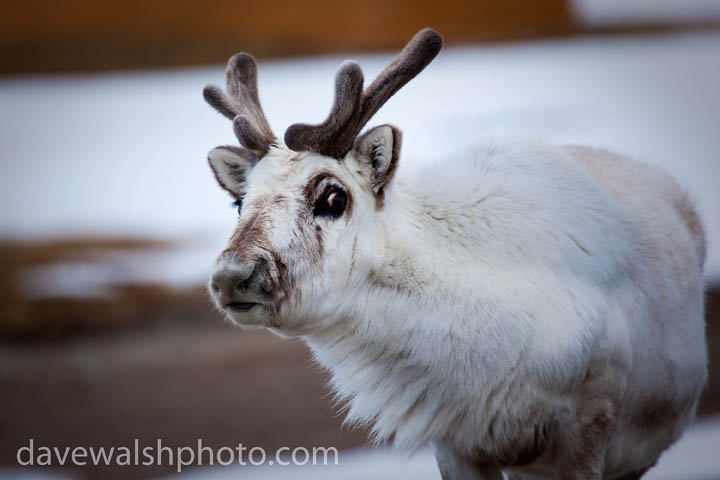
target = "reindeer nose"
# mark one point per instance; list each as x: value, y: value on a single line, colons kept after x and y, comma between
x: 228, y: 280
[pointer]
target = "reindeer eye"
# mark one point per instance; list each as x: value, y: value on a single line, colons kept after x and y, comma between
x: 238, y: 204
x: 331, y: 203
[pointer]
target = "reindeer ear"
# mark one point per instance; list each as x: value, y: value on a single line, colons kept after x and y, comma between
x: 379, y: 148
x: 231, y: 166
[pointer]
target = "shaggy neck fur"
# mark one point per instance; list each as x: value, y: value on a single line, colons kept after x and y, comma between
x: 432, y: 344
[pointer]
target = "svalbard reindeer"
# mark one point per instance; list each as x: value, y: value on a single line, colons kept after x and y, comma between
x: 523, y: 307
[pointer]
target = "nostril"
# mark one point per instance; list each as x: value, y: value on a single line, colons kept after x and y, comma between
x: 243, y: 284
x: 243, y: 278
x: 233, y: 279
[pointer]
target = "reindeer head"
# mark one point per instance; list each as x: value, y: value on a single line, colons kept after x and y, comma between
x: 308, y: 223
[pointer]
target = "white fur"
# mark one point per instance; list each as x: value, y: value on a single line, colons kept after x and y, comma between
x: 513, y: 285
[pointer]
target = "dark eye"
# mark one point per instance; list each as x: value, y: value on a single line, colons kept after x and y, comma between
x: 331, y: 204
x: 238, y: 204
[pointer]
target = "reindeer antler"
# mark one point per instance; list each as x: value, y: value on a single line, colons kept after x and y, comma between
x: 242, y: 104
x: 352, y: 110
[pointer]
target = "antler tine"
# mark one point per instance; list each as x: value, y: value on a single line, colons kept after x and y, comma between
x: 353, y: 109
x: 242, y: 104
x: 413, y: 59
x: 328, y: 137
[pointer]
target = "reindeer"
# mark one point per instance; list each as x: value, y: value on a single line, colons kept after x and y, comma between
x: 524, y: 308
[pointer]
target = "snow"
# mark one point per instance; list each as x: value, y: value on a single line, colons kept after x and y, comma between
x: 124, y: 153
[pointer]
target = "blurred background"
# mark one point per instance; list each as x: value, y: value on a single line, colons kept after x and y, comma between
x: 110, y: 219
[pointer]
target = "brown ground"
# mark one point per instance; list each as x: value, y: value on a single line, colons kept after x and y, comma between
x: 178, y: 384
x: 153, y: 363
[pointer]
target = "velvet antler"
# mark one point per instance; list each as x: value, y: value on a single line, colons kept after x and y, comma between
x: 352, y: 110
x: 242, y: 104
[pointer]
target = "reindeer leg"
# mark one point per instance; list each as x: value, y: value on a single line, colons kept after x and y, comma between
x: 454, y: 466
x: 584, y: 457
x: 634, y: 475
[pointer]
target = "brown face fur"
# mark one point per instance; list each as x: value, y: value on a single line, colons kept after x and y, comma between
x: 280, y: 234
x: 288, y: 256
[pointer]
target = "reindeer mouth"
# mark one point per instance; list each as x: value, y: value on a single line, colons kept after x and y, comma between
x: 240, y: 306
